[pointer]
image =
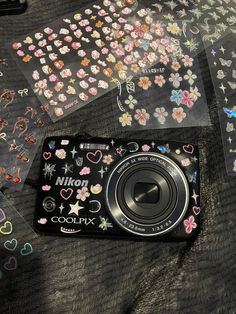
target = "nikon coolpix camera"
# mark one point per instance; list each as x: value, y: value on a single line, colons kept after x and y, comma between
x: 118, y: 189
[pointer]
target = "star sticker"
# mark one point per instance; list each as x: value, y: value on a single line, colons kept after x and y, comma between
x: 124, y: 40
x: 195, y: 196
x: 61, y: 208
x: 67, y: 168
x: 112, y: 142
x: 226, y: 100
x: 101, y: 171
x: 215, y: 64
x: 75, y: 209
x: 153, y: 144
x: 230, y: 140
x: 213, y: 52
x: 222, y: 49
x: 73, y: 152
x: 72, y: 81
x: 93, y: 17
x: 222, y: 87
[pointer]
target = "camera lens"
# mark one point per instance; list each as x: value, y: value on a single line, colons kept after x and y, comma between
x: 147, y: 194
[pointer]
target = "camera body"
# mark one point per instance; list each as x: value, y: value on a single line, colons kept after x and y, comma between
x: 118, y: 189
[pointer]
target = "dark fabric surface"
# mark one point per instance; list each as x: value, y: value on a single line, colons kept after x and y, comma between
x: 104, y: 276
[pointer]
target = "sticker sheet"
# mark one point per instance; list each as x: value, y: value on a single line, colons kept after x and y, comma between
x: 210, y: 16
x: 80, y: 57
x: 18, y: 243
x: 22, y: 122
x: 169, y: 94
x: 222, y: 61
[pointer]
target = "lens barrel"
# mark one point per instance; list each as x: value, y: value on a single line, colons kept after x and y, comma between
x: 147, y: 194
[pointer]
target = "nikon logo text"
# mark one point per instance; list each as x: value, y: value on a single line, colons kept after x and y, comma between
x: 69, y: 181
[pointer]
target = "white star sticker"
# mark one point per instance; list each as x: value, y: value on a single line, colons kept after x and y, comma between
x: 195, y: 196
x: 112, y: 142
x: 61, y: 208
x: 75, y: 209
x: 230, y: 140
x: 222, y: 87
x: 222, y: 49
x: 215, y: 64
x: 101, y: 171
x: 74, y: 152
x: 226, y: 100
x: 153, y: 144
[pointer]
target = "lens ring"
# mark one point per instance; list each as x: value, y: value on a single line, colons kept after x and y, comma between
x: 147, y: 229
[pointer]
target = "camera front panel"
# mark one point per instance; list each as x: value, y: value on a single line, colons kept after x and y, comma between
x: 85, y: 182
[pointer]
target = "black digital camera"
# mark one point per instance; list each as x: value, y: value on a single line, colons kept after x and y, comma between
x: 118, y: 188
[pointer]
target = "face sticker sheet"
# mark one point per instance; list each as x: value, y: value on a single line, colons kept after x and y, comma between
x: 22, y: 121
x: 80, y: 57
x: 18, y: 244
x: 222, y: 61
x: 169, y: 94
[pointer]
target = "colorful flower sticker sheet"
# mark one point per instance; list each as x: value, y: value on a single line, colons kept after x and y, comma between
x: 22, y: 121
x: 18, y: 242
x: 222, y: 61
x: 169, y: 94
x: 79, y: 57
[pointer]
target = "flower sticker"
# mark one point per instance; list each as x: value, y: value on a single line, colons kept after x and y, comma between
x: 187, y: 99
x: 178, y: 114
x: 125, y: 119
x: 107, y: 159
x: 131, y: 102
x: 82, y: 194
x: 175, y: 79
x: 160, y: 114
x: 190, y: 224
x: 187, y: 61
x: 190, y: 77
x: 142, y: 116
x: 176, y: 96
x: 159, y: 80
x: 146, y: 148
x: 144, y: 82
x: 194, y: 93
x: 60, y: 153
x: 173, y: 28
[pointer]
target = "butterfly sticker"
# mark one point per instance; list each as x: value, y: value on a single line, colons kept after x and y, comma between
x: 226, y: 63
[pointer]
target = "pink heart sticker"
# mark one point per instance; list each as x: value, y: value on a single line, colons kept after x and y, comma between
x: 66, y: 193
x: 189, y: 149
x: 94, y: 157
x: 47, y: 155
x: 196, y: 210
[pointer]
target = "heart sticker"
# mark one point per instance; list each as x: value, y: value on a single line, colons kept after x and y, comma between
x: 10, y: 245
x: 27, y: 249
x: 66, y: 193
x: 7, y: 228
x: 196, y: 210
x: 2, y: 215
x: 11, y: 264
x: 94, y: 157
x: 47, y: 155
x: 189, y: 149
